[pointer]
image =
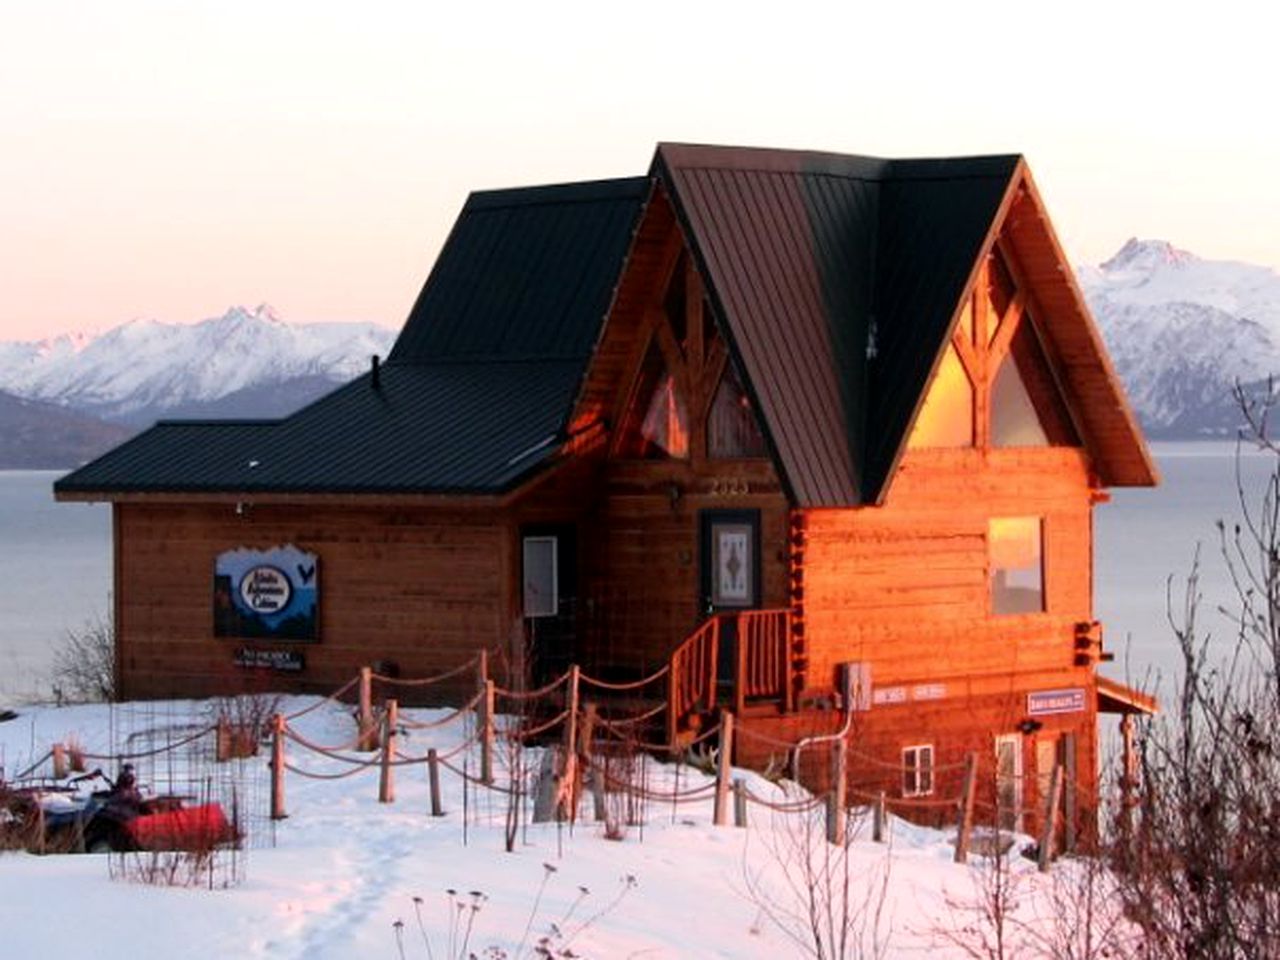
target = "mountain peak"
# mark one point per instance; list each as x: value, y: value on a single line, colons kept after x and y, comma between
x: 1146, y: 255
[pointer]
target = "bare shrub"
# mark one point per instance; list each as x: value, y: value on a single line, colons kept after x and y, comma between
x: 983, y: 922
x: 84, y: 666
x: 1198, y: 859
x: 810, y: 890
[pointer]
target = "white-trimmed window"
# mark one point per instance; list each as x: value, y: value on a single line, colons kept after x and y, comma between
x: 917, y: 770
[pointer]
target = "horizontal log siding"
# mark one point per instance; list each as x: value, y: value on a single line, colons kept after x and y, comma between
x: 422, y: 588
x: 904, y: 586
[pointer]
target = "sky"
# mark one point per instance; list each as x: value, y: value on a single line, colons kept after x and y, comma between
x: 168, y: 160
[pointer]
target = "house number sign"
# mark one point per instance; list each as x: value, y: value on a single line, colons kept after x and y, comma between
x: 730, y: 487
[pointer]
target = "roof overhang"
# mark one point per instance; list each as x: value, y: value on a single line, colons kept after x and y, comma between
x: 1116, y: 697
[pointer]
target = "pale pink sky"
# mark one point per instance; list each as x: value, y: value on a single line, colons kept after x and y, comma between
x: 170, y: 159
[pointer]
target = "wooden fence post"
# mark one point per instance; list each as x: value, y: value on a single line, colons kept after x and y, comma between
x: 837, y: 799
x: 571, y: 721
x: 486, y: 734
x: 879, y: 818
x: 222, y: 740
x: 600, y: 810
x: 59, y: 761
x: 590, y: 718
x: 277, y: 767
x: 386, y: 782
x: 739, y: 802
x: 965, y: 827
x: 1050, y: 816
x: 364, y: 717
x: 1070, y: 797
x: 673, y: 692
x: 433, y: 777
x: 482, y: 669
x: 720, y: 815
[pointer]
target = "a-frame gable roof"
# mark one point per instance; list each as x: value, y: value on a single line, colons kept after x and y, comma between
x: 838, y: 277
x: 837, y: 281
x: 1087, y: 378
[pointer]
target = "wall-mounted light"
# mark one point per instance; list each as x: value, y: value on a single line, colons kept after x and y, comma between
x: 1030, y: 726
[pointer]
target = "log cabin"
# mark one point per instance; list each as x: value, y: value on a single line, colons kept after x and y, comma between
x: 821, y: 434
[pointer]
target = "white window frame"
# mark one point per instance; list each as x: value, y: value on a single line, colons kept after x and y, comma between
x: 918, y: 770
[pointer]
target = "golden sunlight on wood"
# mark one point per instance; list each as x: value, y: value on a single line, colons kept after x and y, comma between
x: 946, y: 418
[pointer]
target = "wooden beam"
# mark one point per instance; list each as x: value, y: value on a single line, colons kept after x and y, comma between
x: 1006, y: 330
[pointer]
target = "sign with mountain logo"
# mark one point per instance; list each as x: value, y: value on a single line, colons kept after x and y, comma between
x: 266, y: 594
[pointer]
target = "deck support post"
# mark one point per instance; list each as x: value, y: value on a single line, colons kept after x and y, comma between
x: 965, y: 827
x: 386, y: 780
x: 720, y: 815
x: 277, y: 767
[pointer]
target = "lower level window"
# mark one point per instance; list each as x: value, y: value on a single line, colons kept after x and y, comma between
x: 917, y: 770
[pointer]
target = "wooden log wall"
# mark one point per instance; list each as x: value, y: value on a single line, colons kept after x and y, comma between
x: 422, y: 588
x: 905, y: 587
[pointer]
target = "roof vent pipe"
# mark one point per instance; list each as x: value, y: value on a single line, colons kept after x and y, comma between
x: 374, y: 380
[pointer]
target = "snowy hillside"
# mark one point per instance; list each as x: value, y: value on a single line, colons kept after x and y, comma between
x: 145, y: 369
x: 346, y: 876
x: 1183, y: 330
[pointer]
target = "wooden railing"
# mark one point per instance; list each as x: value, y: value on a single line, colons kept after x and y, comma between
x: 764, y: 657
x: 762, y: 670
x: 692, y: 680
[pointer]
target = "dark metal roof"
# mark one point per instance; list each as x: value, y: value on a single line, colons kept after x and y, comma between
x: 441, y: 428
x: 525, y: 273
x: 803, y: 252
x: 810, y: 259
x: 478, y: 388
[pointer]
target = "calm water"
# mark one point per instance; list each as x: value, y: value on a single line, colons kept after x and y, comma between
x: 55, y: 561
x: 55, y: 573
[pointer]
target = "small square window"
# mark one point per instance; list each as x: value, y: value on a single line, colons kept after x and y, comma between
x: 917, y: 770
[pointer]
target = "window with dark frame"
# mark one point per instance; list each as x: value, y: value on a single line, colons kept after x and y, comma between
x: 917, y: 770
x: 541, y: 587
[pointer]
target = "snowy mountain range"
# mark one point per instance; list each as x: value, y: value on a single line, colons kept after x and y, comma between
x: 1182, y: 331
x: 147, y: 369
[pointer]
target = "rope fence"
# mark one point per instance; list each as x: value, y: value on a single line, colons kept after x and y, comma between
x: 611, y: 754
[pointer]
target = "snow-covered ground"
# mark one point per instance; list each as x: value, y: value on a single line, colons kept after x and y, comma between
x: 335, y: 877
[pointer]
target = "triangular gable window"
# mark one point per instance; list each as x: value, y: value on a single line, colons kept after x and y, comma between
x: 1026, y: 407
x: 946, y: 418
x: 732, y: 428
x: 656, y: 425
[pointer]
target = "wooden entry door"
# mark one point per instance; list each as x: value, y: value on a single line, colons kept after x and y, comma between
x: 549, y: 574
x: 728, y: 577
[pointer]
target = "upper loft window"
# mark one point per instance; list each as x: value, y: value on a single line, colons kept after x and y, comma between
x: 656, y: 425
x: 1015, y: 551
x: 732, y: 428
x: 946, y: 418
x: 1026, y: 407
x: 673, y: 304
